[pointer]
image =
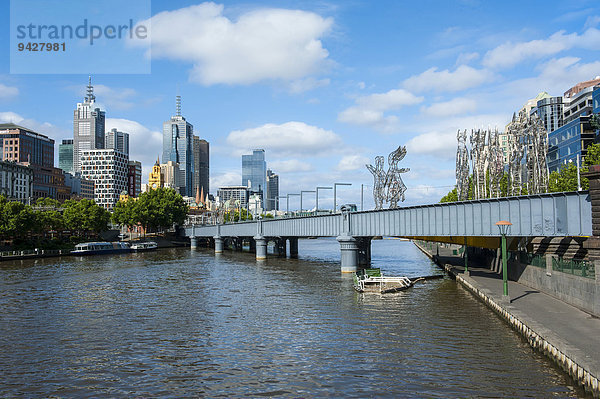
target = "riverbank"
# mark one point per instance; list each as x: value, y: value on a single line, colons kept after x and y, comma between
x: 564, y: 333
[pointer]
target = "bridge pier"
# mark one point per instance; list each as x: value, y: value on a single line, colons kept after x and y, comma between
x: 193, y: 242
x: 261, y: 247
x: 293, y: 247
x: 218, y: 244
x: 364, y: 250
x: 349, y: 253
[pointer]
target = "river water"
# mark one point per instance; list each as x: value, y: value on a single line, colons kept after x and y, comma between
x: 177, y: 323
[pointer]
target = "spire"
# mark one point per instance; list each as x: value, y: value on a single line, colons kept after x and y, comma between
x: 157, y: 161
x: 178, y: 105
x: 198, y: 200
x: 90, y: 97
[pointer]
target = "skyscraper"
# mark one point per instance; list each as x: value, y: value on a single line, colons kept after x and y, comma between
x: 117, y: 140
x: 254, y: 172
x: 201, y: 165
x: 108, y: 170
x: 272, y: 202
x: 65, y: 155
x: 178, y: 146
x: 88, y: 127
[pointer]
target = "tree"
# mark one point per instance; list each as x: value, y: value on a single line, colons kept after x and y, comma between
x: 159, y: 209
x: 566, y: 179
x: 452, y: 196
x: 593, y: 155
x: 85, y: 216
x: 48, y: 214
x: 123, y: 213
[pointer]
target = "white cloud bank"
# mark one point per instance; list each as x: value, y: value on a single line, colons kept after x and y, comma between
x: 265, y: 44
x: 8, y: 91
x: 462, y: 78
x: 287, y: 139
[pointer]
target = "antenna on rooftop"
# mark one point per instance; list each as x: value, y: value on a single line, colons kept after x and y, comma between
x: 178, y: 105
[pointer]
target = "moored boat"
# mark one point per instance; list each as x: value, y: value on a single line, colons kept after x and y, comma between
x: 144, y: 246
x: 371, y: 280
x: 98, y: 248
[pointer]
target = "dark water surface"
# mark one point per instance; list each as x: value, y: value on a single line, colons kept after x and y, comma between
x: 176, y: 323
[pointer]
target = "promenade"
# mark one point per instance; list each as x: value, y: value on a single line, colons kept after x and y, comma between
x: 566, y: 334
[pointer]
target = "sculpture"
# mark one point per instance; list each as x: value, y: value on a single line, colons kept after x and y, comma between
x: 388, y: 187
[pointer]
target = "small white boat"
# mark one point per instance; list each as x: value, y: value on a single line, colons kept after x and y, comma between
x: 371, y: 280
x: 144, y: 246
x: 99, y: 248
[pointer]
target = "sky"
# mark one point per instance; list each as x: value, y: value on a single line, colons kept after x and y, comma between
x: 322, y: 86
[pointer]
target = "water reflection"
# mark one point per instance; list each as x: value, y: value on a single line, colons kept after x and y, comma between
x: 177, y: 323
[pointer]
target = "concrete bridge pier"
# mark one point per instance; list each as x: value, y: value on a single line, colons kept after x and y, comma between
x: 293, y: 247
x: 349, y: 256
x: 280, y: 246
x: 193, y: 242
x: 252, y: 244
x: 261, y: 247
x: 218, y: 244
x: 364, y: 250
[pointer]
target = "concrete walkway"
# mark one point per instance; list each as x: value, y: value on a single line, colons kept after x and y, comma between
x: 565, y: 333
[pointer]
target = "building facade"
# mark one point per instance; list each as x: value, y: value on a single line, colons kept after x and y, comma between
x: 172, y: 176
x: 80, y: 187
x: 156, y: 180
x: 178, y: 147
x: 569, y: 142
x: 117, y: 140
x: 88, y: 127
x: 550, y: 110
x: 16, y: 181
x: 201, y: 165
x: 20, y: 144
x: 65, y: 155
x: 579, y: 104
x: 271, y: 201
x: 108, y: 169
x: 236, y: 195
x: 254, y: 172
x: 134, y: 178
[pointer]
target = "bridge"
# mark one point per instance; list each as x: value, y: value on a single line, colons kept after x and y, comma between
x: 547, y: 215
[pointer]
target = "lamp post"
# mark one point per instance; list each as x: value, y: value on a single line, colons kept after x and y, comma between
x: 504, y: 226
x: 317, y: 197
x: 302, y: 192
x: 334, y: 193
x: 362, y: 198
x: 287, y: 208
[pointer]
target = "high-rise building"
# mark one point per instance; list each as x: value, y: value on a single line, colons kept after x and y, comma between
x: 596, y: 99
x: 569, y: 142
x: 550, y: 111
x: 201, y: 166
x: 254, y: 172
x: 172, y: 175
x: 88, y: 127
x: 579, y: 104
x: 134, y: 178
x: 29, y: 148
x: 80, y: 187
x: 117, y: 140
x: 178, y: 146
x: 271, y: 201
x: 236, y: 195
x: 108, y: 170
x: 65, y: 155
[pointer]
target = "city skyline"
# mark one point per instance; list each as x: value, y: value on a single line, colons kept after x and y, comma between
x: 372, y: 78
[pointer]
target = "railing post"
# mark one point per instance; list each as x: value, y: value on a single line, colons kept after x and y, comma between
x: 549, y: 259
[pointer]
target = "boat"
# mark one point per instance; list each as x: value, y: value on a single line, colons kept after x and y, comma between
x: 371, y: 280
x: 144, y: 246
x: 98, y: 248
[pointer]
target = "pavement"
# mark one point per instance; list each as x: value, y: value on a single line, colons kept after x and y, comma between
x: 571, y: 330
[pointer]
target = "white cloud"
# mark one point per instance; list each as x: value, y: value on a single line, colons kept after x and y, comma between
x: 434, y: 143
x: 8, y: 91
x: 303, y: 85
x: 464, y: 77
x: 555, y: 77
x: 287, y: 139
x: 456, y: 106
x: 592, y: 21
x: 228, y: 178
x: 352, y: 162
x: 115, y: 98
x: 510, y: 54
x: 370, y: 109
x: 260, y: 45
x: 145, y: 145
x: 290, y: 166
x: 465, y: 58
x: 44, y: 128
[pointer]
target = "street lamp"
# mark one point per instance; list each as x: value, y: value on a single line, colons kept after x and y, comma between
x: 334, y: 191
x: 287, y: 208
x: 301, y: 192
x: 317, y: 197
x: 504, y: 226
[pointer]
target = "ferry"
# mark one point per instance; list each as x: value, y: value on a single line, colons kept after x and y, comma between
x: 98, y: 248
x: 144, y: 246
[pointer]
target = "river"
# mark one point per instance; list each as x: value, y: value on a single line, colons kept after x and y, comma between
x: 177, y: 323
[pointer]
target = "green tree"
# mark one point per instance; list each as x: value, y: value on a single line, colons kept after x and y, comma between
x: 159, y: 209
x: 123, y: 213
x: 566, y: 179
x: 452, y: 196
x: 85, y: 216
x: 48, y: 214
x: 593, y: 155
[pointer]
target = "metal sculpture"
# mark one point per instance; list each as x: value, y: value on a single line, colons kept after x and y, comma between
x: 478, y: 162
x: 537, y: 167
x: 388, y: 187
x: 462, y: 166
x: 495, y: 161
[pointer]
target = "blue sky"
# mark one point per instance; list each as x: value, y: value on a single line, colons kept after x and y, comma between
x: 324, y: 87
